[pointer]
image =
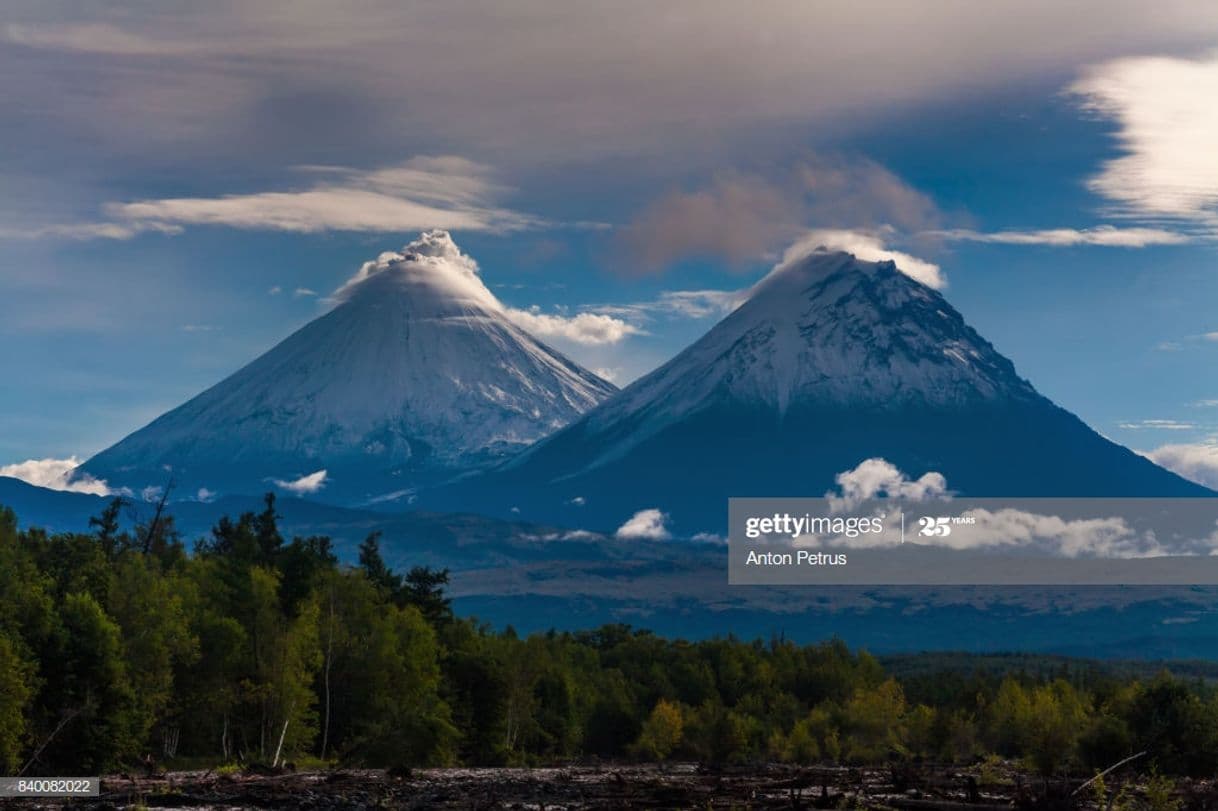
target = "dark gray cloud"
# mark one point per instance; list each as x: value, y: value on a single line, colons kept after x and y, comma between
x: 232, y: 86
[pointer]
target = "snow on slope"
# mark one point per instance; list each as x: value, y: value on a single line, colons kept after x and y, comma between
x: 417, y: 373
x: 825, y: 329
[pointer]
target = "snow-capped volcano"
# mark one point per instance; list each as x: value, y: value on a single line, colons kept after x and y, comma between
x: 830, y: 361
x: 831, y: 331
x: 416, y: 375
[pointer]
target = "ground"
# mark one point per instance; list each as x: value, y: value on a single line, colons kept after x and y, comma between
x: 678, y: 786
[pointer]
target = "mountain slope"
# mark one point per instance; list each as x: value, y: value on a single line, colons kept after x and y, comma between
x: 830, y: 361
x: 417, y: 375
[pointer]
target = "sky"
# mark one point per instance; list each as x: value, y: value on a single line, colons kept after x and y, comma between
x: 186, y: 184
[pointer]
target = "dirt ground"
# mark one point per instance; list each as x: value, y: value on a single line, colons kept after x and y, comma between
x: 683, y: 786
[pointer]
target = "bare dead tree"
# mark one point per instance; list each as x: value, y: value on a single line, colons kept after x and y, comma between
x: 158, y: 515
x: 63, y: 722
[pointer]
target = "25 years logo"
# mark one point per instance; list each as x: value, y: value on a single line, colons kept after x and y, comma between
x: 939, y: 527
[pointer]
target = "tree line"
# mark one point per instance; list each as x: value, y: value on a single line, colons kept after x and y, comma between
x: 118, y: 647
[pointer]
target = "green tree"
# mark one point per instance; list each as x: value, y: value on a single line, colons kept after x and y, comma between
x: 148, y: 607
x: 1175, y: 726
x: 95, y: 725
x: 286, y: 657
x: 15, y: 695
x: 374, y: 567
x: 380, y: 677
x: 423, y: 587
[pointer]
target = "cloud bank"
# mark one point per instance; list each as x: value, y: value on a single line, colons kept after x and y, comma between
x: 56, y: 474
x: 589, y: 329
x: 1198, y: 463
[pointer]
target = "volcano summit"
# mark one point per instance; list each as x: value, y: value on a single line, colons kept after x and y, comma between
x: 416, y: 376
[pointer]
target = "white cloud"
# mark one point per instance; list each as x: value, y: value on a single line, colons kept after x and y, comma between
x: 1167, y: 126
x: 274, y: 291
x: 56, y: 474
x: 303, y: 292
x: 1198, y: 463
x: 433, y: 259
x: 204, y: 495
x: 310, y: 483
x: 1210, y: 336
x: 645, y: 525
x: 1008, y: 528
x: 869, y: 248
x: 1205, y: 404
x: 878, y: 477
x: 424, y: 192
x: 1101, y: 235
x: 1158, y: 425
x: 590, y: 329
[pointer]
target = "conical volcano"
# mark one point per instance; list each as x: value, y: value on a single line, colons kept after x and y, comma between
x: 830, y: 361
x: 416, y: 376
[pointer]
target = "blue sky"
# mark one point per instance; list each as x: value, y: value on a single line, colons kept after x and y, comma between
x: 184, y: 186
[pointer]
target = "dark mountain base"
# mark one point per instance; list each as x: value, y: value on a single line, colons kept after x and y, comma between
x: 690, y: 470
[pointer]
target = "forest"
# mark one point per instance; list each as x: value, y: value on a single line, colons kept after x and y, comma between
x: 127, y: 646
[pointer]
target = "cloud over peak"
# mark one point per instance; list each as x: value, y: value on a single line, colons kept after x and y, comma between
x: 433, y: 257
x: 435, y: 260
x: 869, y: 248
